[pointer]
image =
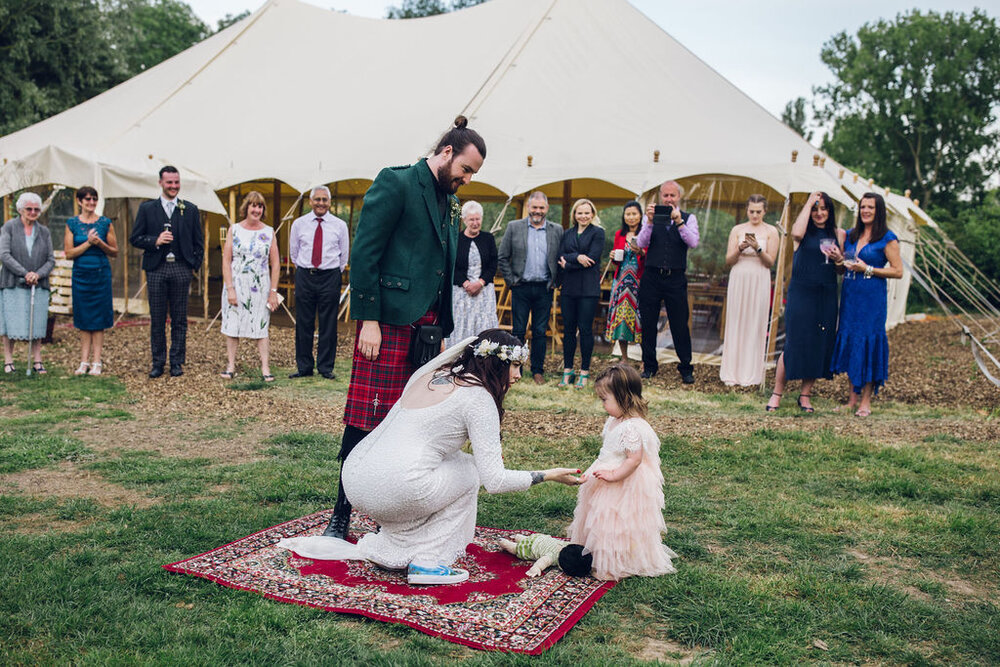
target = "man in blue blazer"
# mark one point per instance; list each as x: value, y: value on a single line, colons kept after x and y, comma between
x: 168, y: 230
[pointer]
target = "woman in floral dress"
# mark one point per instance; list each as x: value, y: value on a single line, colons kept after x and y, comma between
x: 623, y: 311
x: 250, y: 266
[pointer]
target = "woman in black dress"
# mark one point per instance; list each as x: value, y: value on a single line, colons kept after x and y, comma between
x: 580, y: 254
x: 811, y: 312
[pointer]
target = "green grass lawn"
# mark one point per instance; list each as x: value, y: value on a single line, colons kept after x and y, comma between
x: 798, y: 543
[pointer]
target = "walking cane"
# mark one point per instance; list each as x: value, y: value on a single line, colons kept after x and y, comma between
x: 31, y: 326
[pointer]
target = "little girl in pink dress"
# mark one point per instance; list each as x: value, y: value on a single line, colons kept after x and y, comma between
x: 619, y: 509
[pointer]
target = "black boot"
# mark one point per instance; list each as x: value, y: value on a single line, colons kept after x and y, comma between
x: 340, y: 522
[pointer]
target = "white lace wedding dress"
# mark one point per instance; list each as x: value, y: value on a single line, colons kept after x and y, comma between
x: 411, y: 477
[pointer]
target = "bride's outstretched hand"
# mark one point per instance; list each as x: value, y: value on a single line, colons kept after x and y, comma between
x: 563, y: 476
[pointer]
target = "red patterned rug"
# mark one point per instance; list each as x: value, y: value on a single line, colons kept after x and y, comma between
x: 498, y: 609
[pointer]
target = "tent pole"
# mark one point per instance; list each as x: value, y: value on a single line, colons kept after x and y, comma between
x: 204, y: 268
x: 566, y: 202
x: 783, y: 260
x: 6, y: 208
x: 125, y: 225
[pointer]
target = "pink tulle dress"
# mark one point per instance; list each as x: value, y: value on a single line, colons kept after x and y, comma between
x: 621, y: 523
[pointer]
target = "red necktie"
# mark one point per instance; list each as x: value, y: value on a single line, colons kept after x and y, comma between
x: 318, y: 244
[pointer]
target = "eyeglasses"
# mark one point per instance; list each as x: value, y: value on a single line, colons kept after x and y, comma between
x: 89, y: 198
x: 31, y: 208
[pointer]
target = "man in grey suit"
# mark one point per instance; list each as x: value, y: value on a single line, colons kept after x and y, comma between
x: 527, y: 258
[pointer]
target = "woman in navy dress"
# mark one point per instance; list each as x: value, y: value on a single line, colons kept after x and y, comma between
x: 89, y: 241
x: 870, y: 257
x: 811, y: 311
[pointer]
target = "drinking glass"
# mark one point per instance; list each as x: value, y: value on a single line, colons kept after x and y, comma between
x: 824, y: 247
x: 850, y: 257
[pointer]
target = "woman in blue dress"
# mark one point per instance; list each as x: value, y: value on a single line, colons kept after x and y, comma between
x: 89, y: 241
x: 811, y: 310
x: 870, y: 257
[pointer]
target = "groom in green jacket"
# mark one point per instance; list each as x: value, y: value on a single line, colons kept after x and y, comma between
x: 402, y: 261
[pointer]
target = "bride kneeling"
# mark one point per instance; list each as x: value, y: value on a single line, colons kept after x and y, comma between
x: 411, y: 477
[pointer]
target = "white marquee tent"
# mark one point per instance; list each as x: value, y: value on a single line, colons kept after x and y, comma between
x: 580, y: 97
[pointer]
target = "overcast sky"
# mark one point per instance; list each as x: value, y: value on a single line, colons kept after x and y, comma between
x: 767, y: 48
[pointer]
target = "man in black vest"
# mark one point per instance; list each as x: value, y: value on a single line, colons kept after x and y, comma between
x: 168, y: 230
x: 664, y: 280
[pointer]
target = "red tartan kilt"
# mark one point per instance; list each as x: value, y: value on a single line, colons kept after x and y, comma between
x: 377, y: 385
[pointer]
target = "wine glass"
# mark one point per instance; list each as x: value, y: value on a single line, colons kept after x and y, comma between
x: 825, y: 245
x: 850, y: 256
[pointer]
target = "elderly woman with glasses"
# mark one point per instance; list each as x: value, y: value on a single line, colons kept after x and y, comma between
x: 26, y: 260
x: 89, y: 241
x: 473, y: 299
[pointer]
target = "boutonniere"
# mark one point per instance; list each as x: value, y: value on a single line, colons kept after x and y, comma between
x: 456, y: 211
x: 180, y: 206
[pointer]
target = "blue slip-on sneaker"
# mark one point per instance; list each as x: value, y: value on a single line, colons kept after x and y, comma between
x: 438, y: 574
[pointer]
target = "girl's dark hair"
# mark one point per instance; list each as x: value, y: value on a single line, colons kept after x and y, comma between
x: 490, y: 372
x: 461, y: 136
x: 627, y: 206
x: 831, y: 222
x: 879, y: 224
x: 757, y: 199
x: 85, y: 191
x: 574, y: 562
x: 624, y: 383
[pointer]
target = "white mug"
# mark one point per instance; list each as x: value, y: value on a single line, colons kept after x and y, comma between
x: 619, y: 254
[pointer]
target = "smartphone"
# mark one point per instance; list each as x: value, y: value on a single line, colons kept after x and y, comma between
x: 662, y: 214
x: 750, y: 235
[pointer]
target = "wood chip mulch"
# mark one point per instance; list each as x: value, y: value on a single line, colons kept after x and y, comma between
x: 930, y: 365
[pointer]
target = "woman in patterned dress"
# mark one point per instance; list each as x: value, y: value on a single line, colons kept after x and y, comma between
x: 623, y: 310
x: 250, y: 266
x: 473, y: 298
x: 89, y: 241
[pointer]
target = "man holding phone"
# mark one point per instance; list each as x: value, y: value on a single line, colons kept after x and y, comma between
x: 667, y: 233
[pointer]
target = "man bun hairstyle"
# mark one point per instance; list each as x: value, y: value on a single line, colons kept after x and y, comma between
x: 460, y: 136
x: 574, y: 562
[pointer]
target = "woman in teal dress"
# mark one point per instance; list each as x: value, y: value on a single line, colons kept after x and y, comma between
x: 89, y: 241
x: 870, y: 257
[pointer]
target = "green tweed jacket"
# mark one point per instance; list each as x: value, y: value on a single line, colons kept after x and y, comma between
x: 403, y: 251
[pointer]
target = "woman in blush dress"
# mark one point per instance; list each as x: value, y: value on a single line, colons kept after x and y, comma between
x: 811, y: 309
x: 623, y: 309
x: 473, y: 298
x: 250, y: 266
x: 870, y: 257
x: 89, y: 241
x: 753, y: 245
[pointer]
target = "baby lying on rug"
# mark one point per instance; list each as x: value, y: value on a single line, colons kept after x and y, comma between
x: 546, y: 550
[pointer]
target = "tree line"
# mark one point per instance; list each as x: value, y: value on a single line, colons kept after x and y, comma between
x: 913, y: 104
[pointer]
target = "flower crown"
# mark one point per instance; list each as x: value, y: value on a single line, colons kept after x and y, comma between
x: 511, y: 353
